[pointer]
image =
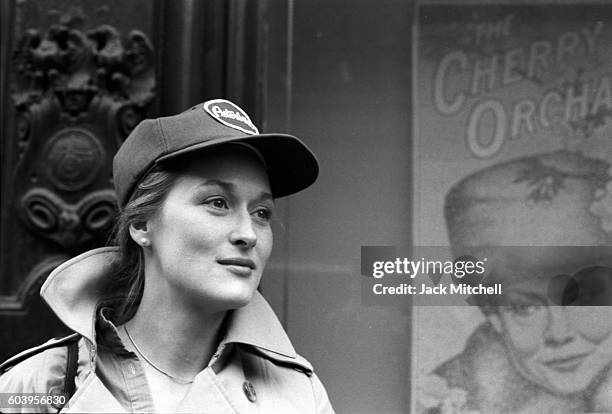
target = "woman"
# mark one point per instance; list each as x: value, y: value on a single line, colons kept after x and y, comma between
x: 546, y: 344
x: 171, y: 320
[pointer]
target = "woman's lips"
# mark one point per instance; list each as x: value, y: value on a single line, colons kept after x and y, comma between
x: 569, y: 363
x: 238, y: 265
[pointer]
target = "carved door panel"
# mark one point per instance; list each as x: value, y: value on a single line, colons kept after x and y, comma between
x: 77, y: 76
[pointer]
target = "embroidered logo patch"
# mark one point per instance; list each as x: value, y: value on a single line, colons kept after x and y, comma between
x: 231, y: 115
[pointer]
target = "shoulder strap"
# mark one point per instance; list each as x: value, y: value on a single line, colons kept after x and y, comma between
x: 72, y: 363
x: 53, y: 343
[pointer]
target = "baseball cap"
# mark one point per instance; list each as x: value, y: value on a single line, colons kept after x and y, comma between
x: 290, y: 164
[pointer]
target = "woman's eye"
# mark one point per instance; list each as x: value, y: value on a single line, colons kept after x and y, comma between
x: 217, y: 203
x: 263, y: 214
x: 524, y: 310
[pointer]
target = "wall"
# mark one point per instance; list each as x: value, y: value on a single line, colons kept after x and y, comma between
x: 345, y: 90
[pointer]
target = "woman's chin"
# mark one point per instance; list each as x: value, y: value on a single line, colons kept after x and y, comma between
x: 567, y: 388
x: 225, y: 302
x: 566, y: 384
x: 220, y: 296
x: 236, y: 302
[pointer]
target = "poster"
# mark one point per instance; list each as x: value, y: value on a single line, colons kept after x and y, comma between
x: 512, y: 146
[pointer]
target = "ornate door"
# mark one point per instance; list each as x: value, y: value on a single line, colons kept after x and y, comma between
x: 75, y: 77
x: 76, y: 80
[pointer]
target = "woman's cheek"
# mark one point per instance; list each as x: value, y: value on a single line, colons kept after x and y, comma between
x: 525, y: 339
x: 265, y: 243
x: 593, y: 323
x: 202, y: 235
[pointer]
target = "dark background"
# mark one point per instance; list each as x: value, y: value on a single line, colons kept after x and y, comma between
x: 336, y: 73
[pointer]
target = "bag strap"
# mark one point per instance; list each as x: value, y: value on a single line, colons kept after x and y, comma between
x: 72, y: 363
x: 52, y: 343
x: 71, y: 368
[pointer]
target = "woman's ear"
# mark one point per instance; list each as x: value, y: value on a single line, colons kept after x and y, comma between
x: 140, y: 234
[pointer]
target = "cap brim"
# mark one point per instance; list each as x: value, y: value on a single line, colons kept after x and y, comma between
x: 291, y: 166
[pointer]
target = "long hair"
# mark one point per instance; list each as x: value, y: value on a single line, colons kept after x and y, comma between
x: 127, y: 278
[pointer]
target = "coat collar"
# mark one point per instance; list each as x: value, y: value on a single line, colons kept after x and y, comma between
x: 74, y: 289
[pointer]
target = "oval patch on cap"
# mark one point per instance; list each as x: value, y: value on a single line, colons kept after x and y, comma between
x: 231, y: 115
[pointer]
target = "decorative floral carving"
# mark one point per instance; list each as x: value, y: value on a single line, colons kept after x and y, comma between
x: 76, y: 66
x: 78, y: 93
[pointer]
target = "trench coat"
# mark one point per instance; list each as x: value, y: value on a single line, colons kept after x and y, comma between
x: 489, y: 383
x: 254, y: 370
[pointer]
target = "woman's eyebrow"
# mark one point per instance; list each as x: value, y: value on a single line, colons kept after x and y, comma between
x: 226, y: 185
x: 231, y: 187
x: 524, y: 295
x: 265, y: 196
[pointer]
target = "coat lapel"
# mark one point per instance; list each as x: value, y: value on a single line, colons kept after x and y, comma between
x: 93, y: 397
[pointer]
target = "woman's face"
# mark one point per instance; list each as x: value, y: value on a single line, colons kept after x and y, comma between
x: 563, y: 349
x: 212, y: 237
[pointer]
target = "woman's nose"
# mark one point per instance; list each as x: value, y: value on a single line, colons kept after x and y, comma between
x: 559, y: 331
x: 243, y: 233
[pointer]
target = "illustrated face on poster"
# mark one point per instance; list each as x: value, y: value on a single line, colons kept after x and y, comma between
x: 513, y: 116
x: 563, y: 349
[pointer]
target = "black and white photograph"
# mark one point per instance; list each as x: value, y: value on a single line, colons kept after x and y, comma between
x: 306, y: 206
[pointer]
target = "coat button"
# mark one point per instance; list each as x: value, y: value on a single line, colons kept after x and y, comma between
x: 249, y: 391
